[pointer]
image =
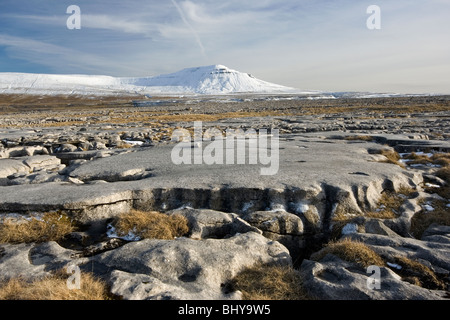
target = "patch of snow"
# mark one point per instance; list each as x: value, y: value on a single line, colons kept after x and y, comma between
x: 394, y: 265
x: 428, y: 207
x: 247, y: 206
x: 134, y: 142
x: 421, y: 153
x: 350, y: 228
x: 111, y: 233
x: 431, y: 185
x: 185, y: 206
x: 277, y: 207
x: 301, y: 207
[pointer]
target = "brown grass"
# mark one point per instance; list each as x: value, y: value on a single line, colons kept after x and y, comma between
x: 416, y: 273
x: 54, y: 287
x: 441, y: 159
x: 423, y: 219
x: 153, y: 225
x: 358, y: 137
x: 391, y: 203
x: 352, y: 251
x: 51, y: 227
x: 391, y: 157
x: 264, y: 282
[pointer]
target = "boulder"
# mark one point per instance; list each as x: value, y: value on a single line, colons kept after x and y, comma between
x: 67, y: 147
x: 334, y: 279
x: 12, y: 166
x: 376, y: 226
x: 185, y: 268
x: 437, y: 233
x: 436, y: 254
x: 281, y: 226
x: 14, y: 262
x: 280, y: 222
x: 31, y: 260
x: 205, y: 223
x: 40, y: 162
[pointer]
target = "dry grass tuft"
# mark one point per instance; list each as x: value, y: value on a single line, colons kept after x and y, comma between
x: 54, y: 288
x: 153, y: 225
x: 52, y: 226
x: 352, y: 251
x: 441, y: 159
x: 423, y: 219
x: 390, y: 203
x: 418, y: 274
x: 391, y: 157
x: 267, y: 282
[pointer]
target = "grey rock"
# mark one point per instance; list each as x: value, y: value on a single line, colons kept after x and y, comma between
x: 30, y: 261
x: 376, y: 226
x: 205, y: 223
x: 281, y: 226
x: 436, y: 253
x: 185, y: 268
x: 306, y: 184
x: 14, y: 262
x: 335, y: 279
x: 36, y: 178
x: 437, y: 233
x: 97, y: 145
x: 9, y: 167
x: 67, y: 147
x: 280, y: 222
x: 53, y: 256
x: 42, y: 162
x: 23, y: 151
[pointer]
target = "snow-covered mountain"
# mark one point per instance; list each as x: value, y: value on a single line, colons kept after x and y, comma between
x: 215, y: 79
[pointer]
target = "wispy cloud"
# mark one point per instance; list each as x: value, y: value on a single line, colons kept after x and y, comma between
x: 186, y: 22
x: 93, y: 21
x: 58, y: 58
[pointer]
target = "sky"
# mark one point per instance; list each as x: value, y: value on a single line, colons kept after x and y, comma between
x: 307, y: 44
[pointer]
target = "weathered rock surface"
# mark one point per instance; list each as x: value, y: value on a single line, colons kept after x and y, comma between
x: 30, y: 261
x: 96, y: 169
x: 281, y: 226
x: 205, y: 223
x: 334, y: 279
x: 185, y: 268
x: 305, y: 184
x: 435, y: 253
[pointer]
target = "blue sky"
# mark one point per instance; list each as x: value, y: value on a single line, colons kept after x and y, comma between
x: 307, y: 44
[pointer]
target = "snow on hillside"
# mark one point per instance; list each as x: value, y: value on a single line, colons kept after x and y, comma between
x: 215, y: 79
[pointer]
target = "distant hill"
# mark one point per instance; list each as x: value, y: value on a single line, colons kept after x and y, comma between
x: 214, y: 79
